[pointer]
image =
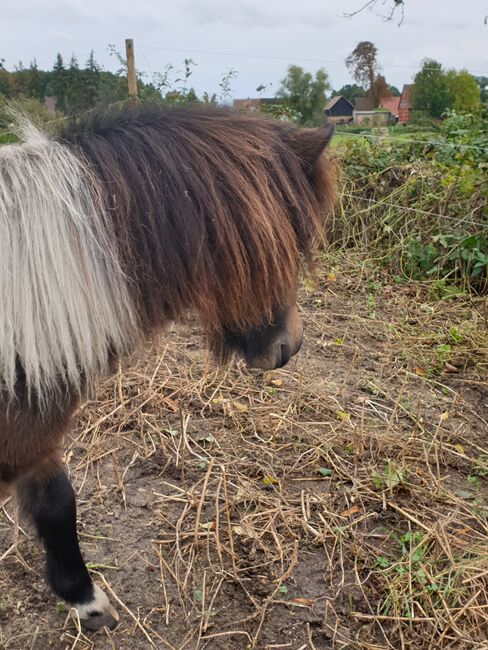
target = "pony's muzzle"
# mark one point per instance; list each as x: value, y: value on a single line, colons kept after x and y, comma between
x: 274, y: 346
x: 276, y: 357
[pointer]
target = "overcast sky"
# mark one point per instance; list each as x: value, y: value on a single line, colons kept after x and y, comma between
x: 258, y: 38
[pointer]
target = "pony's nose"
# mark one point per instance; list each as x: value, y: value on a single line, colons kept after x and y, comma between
x: 283, y: 356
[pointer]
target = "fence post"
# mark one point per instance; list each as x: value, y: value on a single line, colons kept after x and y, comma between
x: 131, y: 69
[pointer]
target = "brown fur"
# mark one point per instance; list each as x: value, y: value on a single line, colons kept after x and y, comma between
x: 213, y: 211
x: 29, y: 437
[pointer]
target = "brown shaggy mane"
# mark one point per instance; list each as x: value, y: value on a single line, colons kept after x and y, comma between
x: 213, y: 210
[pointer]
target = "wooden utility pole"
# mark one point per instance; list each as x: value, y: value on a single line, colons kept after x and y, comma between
x: 131, y: 69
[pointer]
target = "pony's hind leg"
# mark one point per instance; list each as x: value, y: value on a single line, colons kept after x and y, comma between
x: 47, y: 497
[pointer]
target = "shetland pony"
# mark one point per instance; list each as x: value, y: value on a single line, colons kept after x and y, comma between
x: 122, y: 223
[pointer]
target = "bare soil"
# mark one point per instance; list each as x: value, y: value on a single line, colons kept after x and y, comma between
x: 338, y: 503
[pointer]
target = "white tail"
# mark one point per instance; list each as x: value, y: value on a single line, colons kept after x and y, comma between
x: 64, y: 300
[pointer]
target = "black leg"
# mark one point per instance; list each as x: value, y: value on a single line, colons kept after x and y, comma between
x: 49, y: 500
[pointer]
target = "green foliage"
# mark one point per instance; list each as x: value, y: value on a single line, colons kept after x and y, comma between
x: 5, y: 80
x: 465, y: 91
x: 305, y: 94
x: 437, y: 91
x: 225, y: 84
x: 80, y: 88
x: 431, y: 92
x: 483, y: 86
x: 35, y: 85
x: 59, y: 83
x: 31, y: 107
x: 419, y: 204
x: 281, y: 111
x: 420, y: 118
x: 349, y: 91
x: 467, y: 135
x: 467, y: 256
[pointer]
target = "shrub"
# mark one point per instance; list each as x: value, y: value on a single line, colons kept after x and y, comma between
x: 420, y: 205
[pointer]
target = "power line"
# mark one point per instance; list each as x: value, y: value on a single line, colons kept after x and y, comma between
x: 284, y: 58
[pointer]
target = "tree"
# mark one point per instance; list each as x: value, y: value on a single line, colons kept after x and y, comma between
x: 483, y: 86
x: 305, y: 94
x: 349, y: 91
x: 59, y: 83
x: 35, y: 86
x: 21, y: 80
x: 363, y: 66
x: 437, y: 91
x: 431, y: 91
x: 465, y: 91
x: 380, y: 88
x: 5, y: 80
x: 394, y: 92
x: 74, y: 96
x: 91, y: 77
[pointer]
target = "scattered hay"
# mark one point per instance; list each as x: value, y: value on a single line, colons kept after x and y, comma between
x: 338, y: 503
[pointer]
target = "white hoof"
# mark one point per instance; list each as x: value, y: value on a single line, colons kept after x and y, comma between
x: 98, y: 612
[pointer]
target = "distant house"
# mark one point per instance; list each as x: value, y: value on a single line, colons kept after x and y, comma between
x: 391, y: 104
x: 373, y: 118
x: 405, y: 105
x: 339, y: 110
x: 399, y: 107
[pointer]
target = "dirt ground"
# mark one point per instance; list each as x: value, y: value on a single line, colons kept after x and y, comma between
x: 338, y: 503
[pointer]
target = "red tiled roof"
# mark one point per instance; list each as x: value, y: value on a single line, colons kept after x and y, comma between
x: 406, y: 98
x: 391, y: 104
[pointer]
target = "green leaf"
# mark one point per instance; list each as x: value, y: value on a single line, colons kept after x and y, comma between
x: 325, y: 471
x: 445, y: 348
x: 198, y: 595
x: 477, y: 269
x: 393, y: 475
x: 377, y: 480
x: 464, y: 494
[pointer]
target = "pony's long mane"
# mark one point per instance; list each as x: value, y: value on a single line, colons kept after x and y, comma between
x: 131, y: 218
x: 213, y: 210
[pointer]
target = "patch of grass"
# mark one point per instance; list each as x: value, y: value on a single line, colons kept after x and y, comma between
x: 7, y: 138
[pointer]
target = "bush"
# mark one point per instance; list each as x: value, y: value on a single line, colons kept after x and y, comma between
x: 420, y: 207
